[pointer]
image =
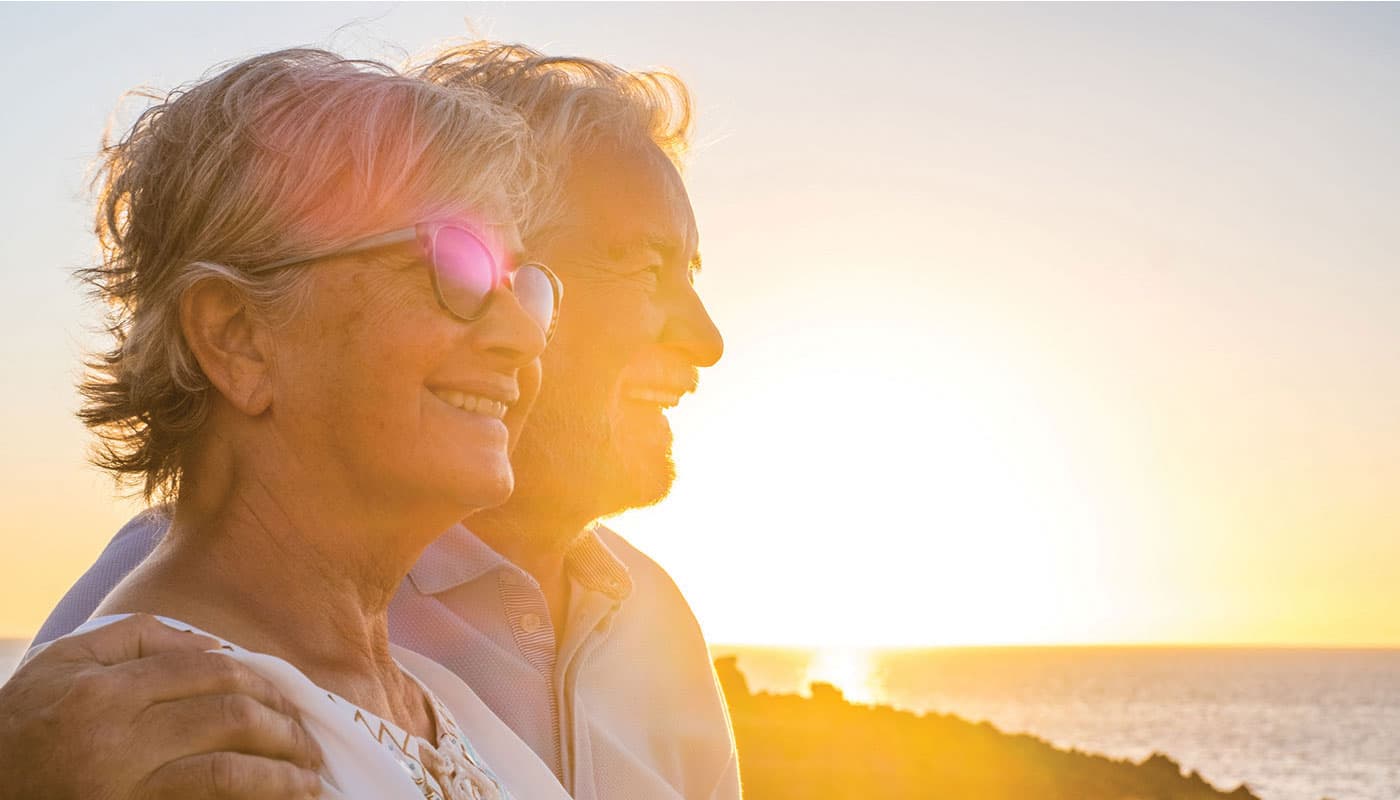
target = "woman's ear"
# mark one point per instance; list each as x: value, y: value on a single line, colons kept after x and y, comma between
x: 229, y: 343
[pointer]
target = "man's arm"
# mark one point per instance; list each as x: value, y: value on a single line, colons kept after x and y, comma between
x: 127, y: 549
x: 138, y: 710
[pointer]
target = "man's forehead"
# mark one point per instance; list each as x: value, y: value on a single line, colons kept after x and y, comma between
x: 627, y: 181
x: 628, y: 201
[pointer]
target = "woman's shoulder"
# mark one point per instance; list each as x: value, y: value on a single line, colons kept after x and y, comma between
x: 365, y: 755
x: 291, y: 682
x: 103, y: 620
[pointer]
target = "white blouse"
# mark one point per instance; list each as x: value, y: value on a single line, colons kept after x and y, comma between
x: 370, y: 758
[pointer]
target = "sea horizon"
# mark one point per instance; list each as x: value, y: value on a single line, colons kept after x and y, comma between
x: 1066, y: 646
x: 1292, y: 722
x: 9, y: 644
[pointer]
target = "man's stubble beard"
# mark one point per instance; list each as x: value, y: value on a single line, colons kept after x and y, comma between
x: 577, y: 460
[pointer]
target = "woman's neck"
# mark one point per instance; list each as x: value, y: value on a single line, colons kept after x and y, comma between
x: 301, y: 580
x: 311, y: 590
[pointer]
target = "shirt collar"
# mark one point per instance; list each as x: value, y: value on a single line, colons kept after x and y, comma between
x: 459, y: 557
x: 594, y: 565
x: 454, y: 558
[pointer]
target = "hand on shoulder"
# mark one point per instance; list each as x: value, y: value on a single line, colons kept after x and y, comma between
x: 136, y: 709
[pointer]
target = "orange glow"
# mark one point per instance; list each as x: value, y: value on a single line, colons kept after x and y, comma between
x: 1031, y: 340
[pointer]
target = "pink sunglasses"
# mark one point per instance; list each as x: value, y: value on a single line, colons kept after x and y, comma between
x: 465, y: 273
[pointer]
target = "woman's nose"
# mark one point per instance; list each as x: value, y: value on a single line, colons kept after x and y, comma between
x: 508, y: 331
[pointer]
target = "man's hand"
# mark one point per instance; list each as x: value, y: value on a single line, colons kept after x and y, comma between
x: 140, y: 711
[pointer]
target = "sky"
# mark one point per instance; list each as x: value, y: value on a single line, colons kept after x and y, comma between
x: 1044, y: 323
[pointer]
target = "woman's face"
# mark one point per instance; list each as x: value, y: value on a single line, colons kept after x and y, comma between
x: 387, y: 397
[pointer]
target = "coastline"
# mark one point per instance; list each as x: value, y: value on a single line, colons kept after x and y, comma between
x: 825, y: 748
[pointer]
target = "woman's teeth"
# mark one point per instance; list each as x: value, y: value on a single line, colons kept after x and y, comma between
x: 474, y: 403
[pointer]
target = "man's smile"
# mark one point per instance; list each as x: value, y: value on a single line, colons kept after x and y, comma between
x: 666, y: 397
x: 659, y: 382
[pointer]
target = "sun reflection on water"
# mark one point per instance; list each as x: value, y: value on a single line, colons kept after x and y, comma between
x: 850, y: 670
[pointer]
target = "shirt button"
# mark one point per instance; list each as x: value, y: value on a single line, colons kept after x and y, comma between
x: 531, y: 622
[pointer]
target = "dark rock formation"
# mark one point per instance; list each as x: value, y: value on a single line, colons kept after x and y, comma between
x: 823, y: 748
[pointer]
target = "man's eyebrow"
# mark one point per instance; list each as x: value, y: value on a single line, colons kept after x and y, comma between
x: 668, y: 248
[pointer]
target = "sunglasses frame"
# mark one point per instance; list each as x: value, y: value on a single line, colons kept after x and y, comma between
x: 424, y: 234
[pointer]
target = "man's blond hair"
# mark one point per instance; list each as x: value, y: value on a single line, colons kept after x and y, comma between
x: 573, y: 105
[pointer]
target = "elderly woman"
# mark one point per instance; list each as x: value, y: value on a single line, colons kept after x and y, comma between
x: 325, y: 340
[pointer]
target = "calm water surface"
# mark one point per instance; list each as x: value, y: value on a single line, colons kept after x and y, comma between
x: 1293, y: 724
x: 10, y: 651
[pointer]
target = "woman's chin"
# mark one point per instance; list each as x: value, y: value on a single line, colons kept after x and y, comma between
x: 486, y: 482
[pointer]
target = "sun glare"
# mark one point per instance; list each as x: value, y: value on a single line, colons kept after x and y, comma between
x: 850, y: 670
x: 951, y: 511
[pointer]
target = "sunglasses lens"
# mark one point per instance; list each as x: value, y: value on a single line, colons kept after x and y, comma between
x: 535, y: 292
x: 466, y: 272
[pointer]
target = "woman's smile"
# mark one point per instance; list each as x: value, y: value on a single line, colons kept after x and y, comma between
x: 473, y: 403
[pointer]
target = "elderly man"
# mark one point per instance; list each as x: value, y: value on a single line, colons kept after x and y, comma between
x: 579, y: 642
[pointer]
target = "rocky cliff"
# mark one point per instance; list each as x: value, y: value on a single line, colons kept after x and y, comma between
x: 824, y: 748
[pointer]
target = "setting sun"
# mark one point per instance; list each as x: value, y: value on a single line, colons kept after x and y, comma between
x: 1048, y: 357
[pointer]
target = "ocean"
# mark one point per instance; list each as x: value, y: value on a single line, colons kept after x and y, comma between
x: 1294, y: 724
x: 10, y: 651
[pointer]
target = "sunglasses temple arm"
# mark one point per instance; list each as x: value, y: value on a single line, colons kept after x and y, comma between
x: 382, y: 240
x: 360, y: 246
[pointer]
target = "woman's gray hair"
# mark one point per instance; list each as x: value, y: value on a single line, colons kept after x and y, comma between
x: 573, y: 105
x: 290, y: 154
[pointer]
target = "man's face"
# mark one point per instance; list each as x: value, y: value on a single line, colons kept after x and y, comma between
x: 632, y: 334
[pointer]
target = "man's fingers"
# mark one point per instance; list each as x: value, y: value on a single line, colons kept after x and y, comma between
x: 137, y: 636
x: 171, y: 676
x: 231, y: 776
x: 234, y: 723
x: 210, y: 691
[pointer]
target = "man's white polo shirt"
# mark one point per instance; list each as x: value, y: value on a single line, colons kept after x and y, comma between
x: 626, y: 707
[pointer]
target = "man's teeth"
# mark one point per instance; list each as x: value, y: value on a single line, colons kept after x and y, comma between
x: 474, y: 403
x: 658, y: 396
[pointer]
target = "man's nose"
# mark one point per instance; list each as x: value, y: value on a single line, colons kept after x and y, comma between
x: 690, y: 330
x: 508, y: 332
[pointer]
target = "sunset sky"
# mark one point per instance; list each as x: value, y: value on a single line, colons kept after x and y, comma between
x: 1044, y: 324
